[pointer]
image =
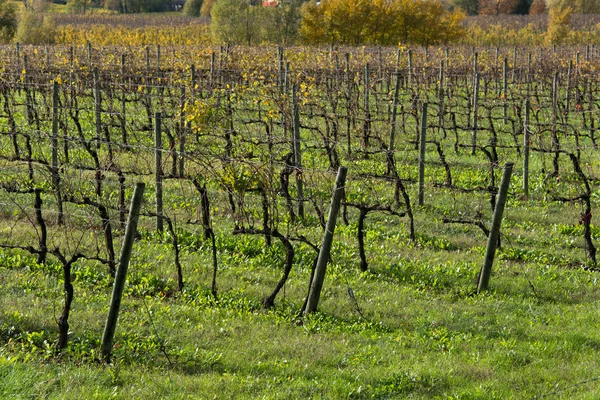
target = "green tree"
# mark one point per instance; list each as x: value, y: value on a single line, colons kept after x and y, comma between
x: 578, y: 6
x: 207, y: 6
x: 8, y: 20
x: 79, y: 6
x: 137, y: 6
x: 280, y: 24
x: 471, y: 7
x: 35, y: 25
x: 192, y: 8
x: 236, y: 22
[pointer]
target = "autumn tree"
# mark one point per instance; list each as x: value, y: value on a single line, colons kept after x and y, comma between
x: 537, y: 7
x: 35, y: 25
x: 8, y: 20
x: 192, y: 8
x: 578, y: 6
x: 558, y: 24
x: 381, y: 22
x: 471, y: 7
x: 497, y: 7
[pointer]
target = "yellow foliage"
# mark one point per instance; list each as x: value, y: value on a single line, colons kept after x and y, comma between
x: 382, y: 22
x: 103, y: 35
x: 558, y: 24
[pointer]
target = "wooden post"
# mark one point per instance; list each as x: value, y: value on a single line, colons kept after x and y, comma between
x: 280, y: 67
x: 123, y: 103
x: 182, y: 134
x: 54, y: 167
x: 158, y: 57
x: 297, y: 154
x: 486, y: 271
x: 422, y: 146
x: 514, y: 66
x: 158, y: 164
x: 193, y: 77
x: 147, y: 58
x: 568, y: 90
x: 526, y: 140
x: 441, y: 95
x: 410, y: 69
x: 212, y: 69
x: 475, y: 114
x: 392, y: 145
x: 505, y: 89
x: 314, y: 293
x: 120, y: 277
x: 97, y: 107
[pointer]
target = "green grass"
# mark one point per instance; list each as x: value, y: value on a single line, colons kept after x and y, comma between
x: 416, y: 329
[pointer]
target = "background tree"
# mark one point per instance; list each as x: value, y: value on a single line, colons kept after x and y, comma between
x: 235, y: 22
x: 206, y: 8
x: 380, y: 22
x: 537, y: 7
x: 192, y: 8
x: 471, y: 7
x: 8, y: 20
x: 35, y: 26
x: 280, y: 24
x: 497, y: 7
x: 114, y: 5
x: 79, y: 6
x: 578, y: 6
x: 558, y: 24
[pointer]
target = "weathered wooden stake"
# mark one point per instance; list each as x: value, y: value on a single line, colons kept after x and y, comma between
x: 55, y: 174
x: 314, y: 293
x: 526, y: 141
x: 475, y: 114
x: 97, y: 107
x: 120, y: 277
x: 486, y: 271
x: 297, y: 154
x: 505, y: 89
x: 159, y: 174
x: 410, y: 68
x: 422, y: 146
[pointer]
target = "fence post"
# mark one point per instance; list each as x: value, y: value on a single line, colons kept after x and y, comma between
x: 316, y: 285
x: 123, y: 102
x: 526, y: 149
x: 158, y: 167
x: 394, y: 116
x: 119, y: 283
x: 410, y: 69
x: 97, y: 107
x: 486, y: 271
x: 505, y: 89
x: 297, y: 154
x: 422, y: 145
x: 182, y: 134
x: 475, y: 114
x: 54, y: 167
